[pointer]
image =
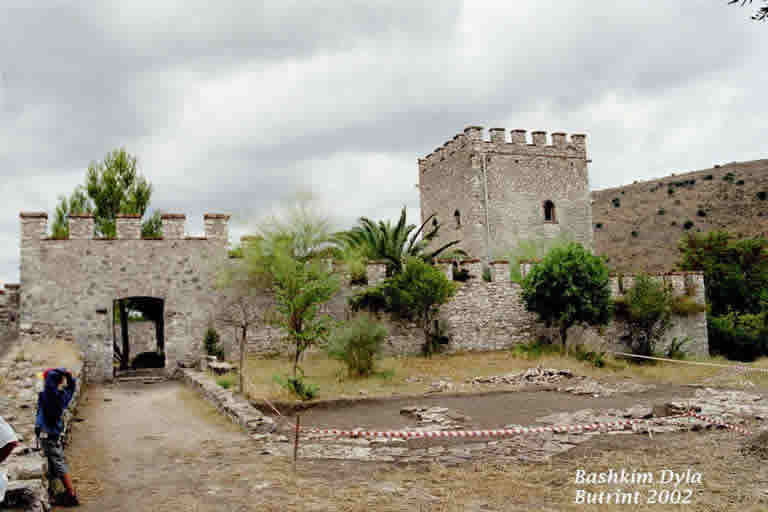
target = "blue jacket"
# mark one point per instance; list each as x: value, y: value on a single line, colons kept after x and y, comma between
x: 52, y: 401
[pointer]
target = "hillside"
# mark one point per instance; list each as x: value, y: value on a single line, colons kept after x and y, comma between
x: 637, y: 227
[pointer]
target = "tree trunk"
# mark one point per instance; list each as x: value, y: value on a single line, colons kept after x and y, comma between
x: 563, y: 334
x: 242, y: 359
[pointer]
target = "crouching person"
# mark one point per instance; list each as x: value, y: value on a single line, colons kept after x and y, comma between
x: 57, y: 393
x: 8, y: 442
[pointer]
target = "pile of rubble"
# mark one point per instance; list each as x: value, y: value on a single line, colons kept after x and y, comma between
x: 435, y: 418
x: 577, y: 384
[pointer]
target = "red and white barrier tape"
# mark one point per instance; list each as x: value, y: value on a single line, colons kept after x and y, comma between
x: 720, y: 423
x: 481, y: 433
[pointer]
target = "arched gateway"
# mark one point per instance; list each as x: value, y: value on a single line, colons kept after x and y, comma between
x: 71, y: 288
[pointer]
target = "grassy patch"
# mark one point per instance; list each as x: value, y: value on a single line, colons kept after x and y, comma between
x: 414, y: 375
x: 227, y: 381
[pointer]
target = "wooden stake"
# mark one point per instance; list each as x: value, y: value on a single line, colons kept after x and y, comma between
x: 296, y: 442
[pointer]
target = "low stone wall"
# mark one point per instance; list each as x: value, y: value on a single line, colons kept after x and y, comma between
x: 234, y: 407
x: 27, y: 467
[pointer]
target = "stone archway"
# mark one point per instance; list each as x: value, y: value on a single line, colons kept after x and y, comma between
x: 143, y: 319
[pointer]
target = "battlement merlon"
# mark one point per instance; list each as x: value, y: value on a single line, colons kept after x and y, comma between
x: 34, y: 227
x: 518, y: 144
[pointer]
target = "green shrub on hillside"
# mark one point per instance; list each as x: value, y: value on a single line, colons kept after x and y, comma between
x: 762, y: 195
x: 708, y: 177
x: 661, y: 211
x: 742, y: 337
x: 688, y: 224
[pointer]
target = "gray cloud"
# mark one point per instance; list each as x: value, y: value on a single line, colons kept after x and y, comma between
x: 233, y: 106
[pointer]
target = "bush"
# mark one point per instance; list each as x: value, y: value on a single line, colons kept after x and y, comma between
x: 357, y: 344
x: 673, y: 223
x: 297, y: 385
x: 616, y: 202
x: 729, y: 177
x: 670, y: 191
x: 226, y: 381
x: 535, y: 349
x: 688, y: 224
x: 599, y: 225
x: 634, y: 234
x: 762, y: 195
x: 701, y: 213
x: 461, y: 275
x: 647, y: 309
x: 569, y: 286
x: 487, y: 274
x: 740, y: 182
x: 661, y: 211
x: 708, y: 177
x: 741, y: 337
x: 211, y: 343
x: 675, y: 348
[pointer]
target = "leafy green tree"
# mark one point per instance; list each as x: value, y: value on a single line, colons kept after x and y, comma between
x: 112, y: 187
x: 393, y: 243
x: 735, y: 270
x: 115, y: 187
x: 570, y: 285
x: 648, y: 308
x: 300, y: 227
x: 418, y: 292
x: 76, y: 204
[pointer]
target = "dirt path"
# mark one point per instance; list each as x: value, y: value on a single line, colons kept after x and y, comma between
x: 135, y: 449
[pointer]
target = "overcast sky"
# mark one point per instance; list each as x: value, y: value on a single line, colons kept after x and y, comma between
x: 231, y: 106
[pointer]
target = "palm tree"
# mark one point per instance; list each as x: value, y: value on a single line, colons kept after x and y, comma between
x: 384, y: 241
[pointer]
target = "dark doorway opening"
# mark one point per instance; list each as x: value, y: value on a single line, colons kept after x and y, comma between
x: 146, y: 352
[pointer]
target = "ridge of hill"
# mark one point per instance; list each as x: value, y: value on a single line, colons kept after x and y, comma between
x: 637, y: 227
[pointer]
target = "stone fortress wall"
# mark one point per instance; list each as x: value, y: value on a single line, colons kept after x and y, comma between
x: 495, y: 190
x: 492, y: 316
x: 68, y: 286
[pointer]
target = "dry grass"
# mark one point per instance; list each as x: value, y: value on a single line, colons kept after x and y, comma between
x: 331, y: 376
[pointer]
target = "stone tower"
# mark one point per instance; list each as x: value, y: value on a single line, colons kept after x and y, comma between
x: 492, y: 194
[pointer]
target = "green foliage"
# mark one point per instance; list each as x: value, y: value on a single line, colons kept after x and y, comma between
x: 743, y: 337
x: 211, y: 343
x: 688, y: 224
x: 226, y: 381
x: 300, y: 288
x: 76, y: 204
x: 115, y: 187
x: 616, y: 202
x: 740, y: 182
x: 487, y: 274
x: 661, y: 211
x: 735, y: 271
x: 708, y: 177
x: 599, y: 225
x: 535, y: 349
x: 634, y: 234
x: 357, y: 266
x: 762, y: 195
x: 417, y: 292
x: 597, y: 359
x: 675, y: 349
x: 529, y: 251
x: 670, y: 191
x: 569, y: 286
x: 297, y: 385
x: 152, y: 227
x: 729, y: 177
x: 236, y: 252
x: 393, y: 243
x: 701, y: 213
x: 299, y: 229
x: 358, y: 343
x: 647, y: 308
x: 461, y: 274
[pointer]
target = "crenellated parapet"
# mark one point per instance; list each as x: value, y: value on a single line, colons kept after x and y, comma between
x: 34, y: 227
x: 517, y: 143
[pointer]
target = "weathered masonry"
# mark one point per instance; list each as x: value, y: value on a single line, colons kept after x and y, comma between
x: 490, y: 194
x: 490, y: 315
x: 69, y: 287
